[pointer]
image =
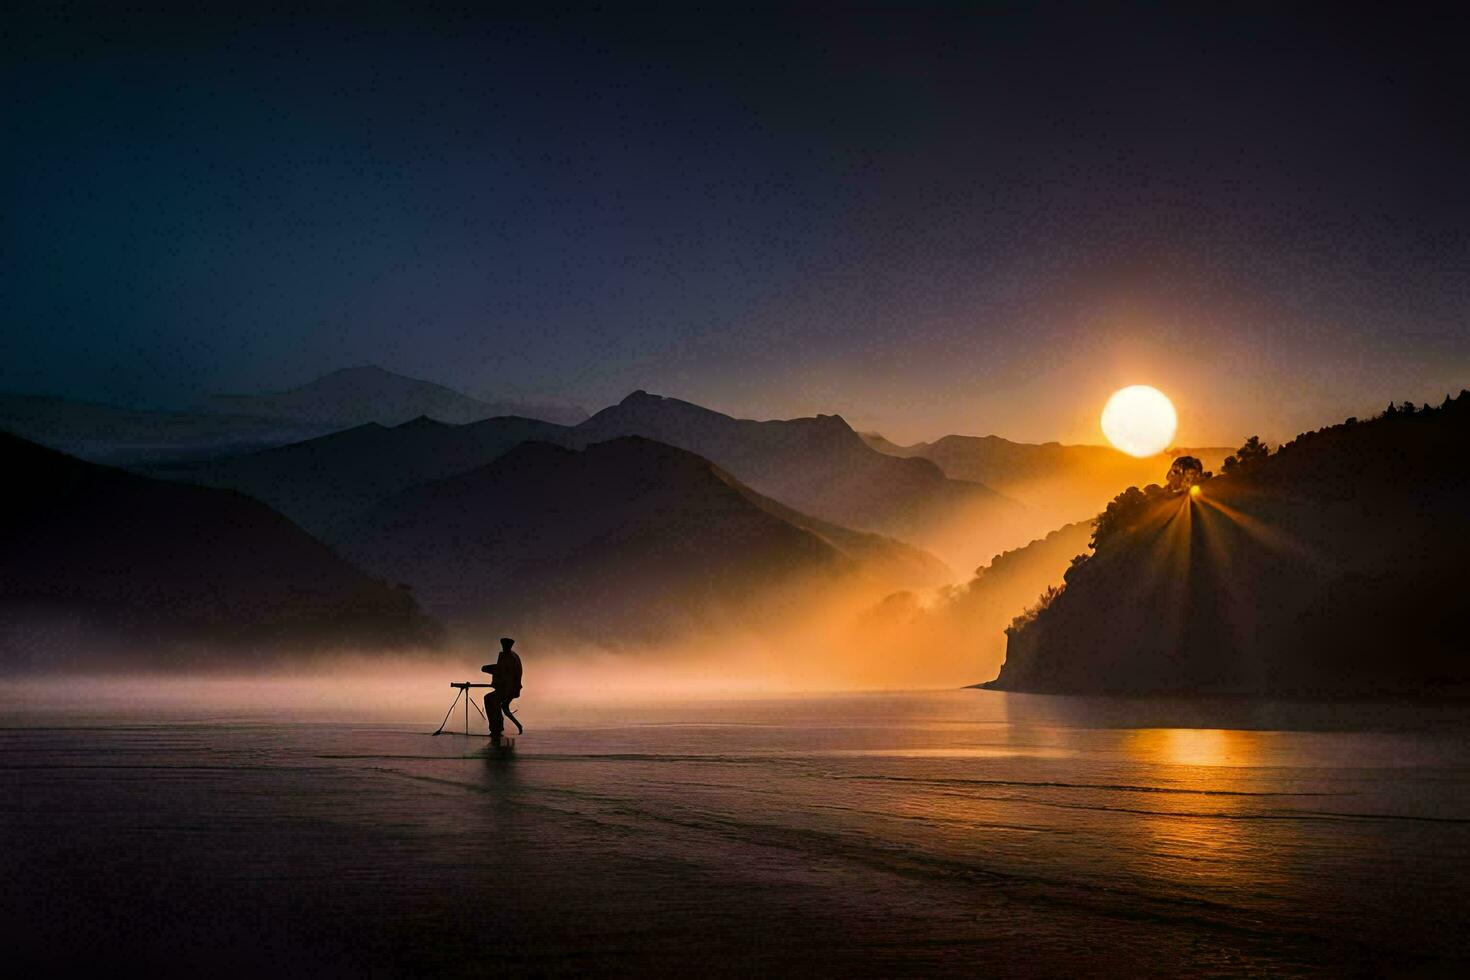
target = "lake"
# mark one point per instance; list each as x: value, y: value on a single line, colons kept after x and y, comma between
x: 918, y: 833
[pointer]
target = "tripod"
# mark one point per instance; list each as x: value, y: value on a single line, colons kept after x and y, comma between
x: 462, y: 690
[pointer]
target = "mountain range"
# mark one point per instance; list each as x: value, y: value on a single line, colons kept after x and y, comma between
x: 237, y: 424
x: 822, y: 467
x: 628, y: 540
x: 359, y: 395
x: 817, y: 467
x: 322, y: 482
x: 130, y: 436
x: 1330, y: 568
x: 102, y: 567
x: 658, y: 519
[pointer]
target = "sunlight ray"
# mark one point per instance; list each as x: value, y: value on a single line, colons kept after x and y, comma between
x: 1269, y: 537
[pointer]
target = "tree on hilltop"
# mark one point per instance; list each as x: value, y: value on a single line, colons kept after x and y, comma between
x: 1185, y: 473
x: 1122, y: 510
x: 1252, y: 450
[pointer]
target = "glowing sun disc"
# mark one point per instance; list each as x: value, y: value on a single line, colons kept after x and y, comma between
x: 1139, y: 420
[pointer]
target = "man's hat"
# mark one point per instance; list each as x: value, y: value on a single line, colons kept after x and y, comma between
x: 507, y: 642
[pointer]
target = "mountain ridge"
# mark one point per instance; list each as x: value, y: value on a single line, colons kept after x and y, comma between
x: 323, y: 481
x: 112, y: 435
x: 351, y: 396
x: 169, y: 574
x: 625, y: 538
x: 820, y: 466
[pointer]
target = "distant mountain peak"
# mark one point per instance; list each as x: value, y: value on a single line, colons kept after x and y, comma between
x: 643, y: 399
x: 422, y: 422
x: 833, y: 422
x: 819, y: 466
x: 360, y: 369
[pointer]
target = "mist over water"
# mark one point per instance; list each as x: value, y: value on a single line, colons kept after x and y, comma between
x: 403, y: 688
x: 851, y: 635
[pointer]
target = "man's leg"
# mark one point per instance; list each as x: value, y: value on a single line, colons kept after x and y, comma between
x: 492, y: 713
x: 505, y: 706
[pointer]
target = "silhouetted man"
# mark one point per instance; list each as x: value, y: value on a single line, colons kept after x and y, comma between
x: 505, y: 676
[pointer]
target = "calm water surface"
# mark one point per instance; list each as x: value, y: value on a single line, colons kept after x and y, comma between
x: 957, y: 832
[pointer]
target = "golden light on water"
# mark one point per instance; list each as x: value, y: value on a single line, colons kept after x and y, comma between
x: 1140, y: 420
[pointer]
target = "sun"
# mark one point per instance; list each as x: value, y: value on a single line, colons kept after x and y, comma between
x: 1139, y: 420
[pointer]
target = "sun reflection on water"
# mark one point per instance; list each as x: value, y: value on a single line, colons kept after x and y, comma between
x: 1195, y: 746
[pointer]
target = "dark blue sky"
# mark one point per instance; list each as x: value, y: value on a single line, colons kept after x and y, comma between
x: 926, y: 220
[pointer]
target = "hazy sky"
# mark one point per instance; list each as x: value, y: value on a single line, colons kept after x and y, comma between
x: 928, y: 221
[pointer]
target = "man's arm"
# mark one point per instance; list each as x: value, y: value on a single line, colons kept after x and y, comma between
x: 489, y: 669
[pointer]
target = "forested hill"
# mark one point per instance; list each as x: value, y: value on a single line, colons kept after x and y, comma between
x: 103, y: 569
x: 1333, y: 567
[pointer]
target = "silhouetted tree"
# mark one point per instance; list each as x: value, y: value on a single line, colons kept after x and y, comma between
x: 1031, y: 612
x: 1252, y: 450
x: 1123, y: 511
x: 1185, y: 473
